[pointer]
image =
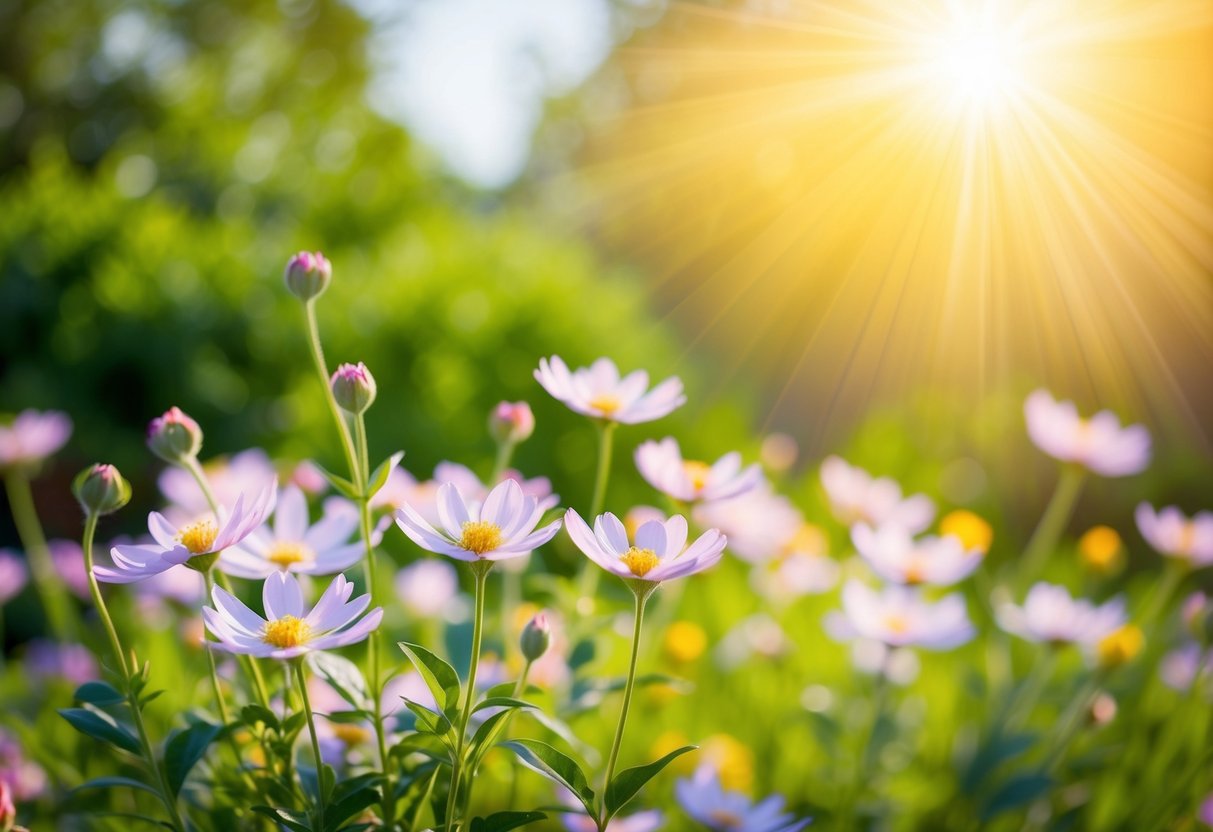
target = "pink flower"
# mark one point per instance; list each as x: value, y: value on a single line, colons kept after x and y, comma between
x: 1176, y: 536
x: 512, y: 422
x: 14, y: 575
x: 25, y: 778
x: 856, y: 496
x: 293, y: 544
x: 1099, y: 443
x: 32, y: 437
x: 1050, y: 615
x: 660, y: 552
x: 68, y: 558
x: 896, y: 556
x: 229, y: 478
x: 662, y: 466
x: 599, y: 392
x: 52, y: 660
x: 426, y: 587
x: 899, y: 616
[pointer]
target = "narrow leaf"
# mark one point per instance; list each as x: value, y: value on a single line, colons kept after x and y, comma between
x: 184, y: 751
x: 555, y: 765
x: 100, y: 726
x: 505, y: 821
x: 628, y: 783
x: 439, y: 676
x: 382, y: 472
x: 116, y: 782
x: 344, y: 676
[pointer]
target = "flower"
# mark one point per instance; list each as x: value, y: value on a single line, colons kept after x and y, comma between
x: 649, y: 820
x: 1180, y: 667
x: 1099, y: 443
x: 308, y: 274
x: 855, y: 496
x: 287, y: 632
x: 972, y: 530
x: 1049, y: 614
x: 45, y: 659
x: 599, y: 392
x: 896, y: 556
x: 511, y: 422
x: 403, y: 488
x: 659, y: 553
x: 1176, y: 536
x: 500, y: 528
x: 898, y: 616
x: 662, y: 466
x: 202, y: 539
x: 8, y: 810
x: 243, y: 472
x: 1120, y: 646
x: 174, y: 436
x: 14, y: 575
x: 759, y: 523
x: 293, y: 545
x: 426, y: 587
x: 25, y: 778
x: 32, y: 437
x: 684, y: 642
x: 68, y: 558
x: 1101, y: 550
x: 353, y: 387
x: 704, y: 799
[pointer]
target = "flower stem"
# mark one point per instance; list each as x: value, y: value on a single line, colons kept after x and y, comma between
x: 191, y: 464
x: 491, y: 740
x: 59, y: 615
x: 1052, y: 523
x: 606, y: 436
x: 505, y: 453
x: 313, y: 332
x: 480, y: 569
x: 642, y: 597
x: 311, y: 728
x: 132, y: 695
x: 1172, y: 577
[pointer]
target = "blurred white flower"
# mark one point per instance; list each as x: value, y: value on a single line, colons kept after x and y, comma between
x: 1099, y: 444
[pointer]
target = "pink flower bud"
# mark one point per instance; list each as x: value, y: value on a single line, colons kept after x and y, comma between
x: 512, y: 422
x: 174, y: 437
x: 353, y: 387
x: 8, y: 811
x: 100, y: 489
x: 536, y: 637
x: 308, y: 275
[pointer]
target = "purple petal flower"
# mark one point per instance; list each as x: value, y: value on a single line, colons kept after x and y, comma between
x: 1050, y: 615
x: 899, y: 616
x: 32, y: 437
x: 294, y: 544
x: 51, y: 660
x: 662, y: 466
x: 599, y: 391
x: 896, y: 556
x: 856, y: 496
x: 1098, y: 443
x: 242, y: 473
x: 659, y: 551
x: 426, y: 587
x: 14, y: 575
x: 1174, y: 535
x: 704, y: 799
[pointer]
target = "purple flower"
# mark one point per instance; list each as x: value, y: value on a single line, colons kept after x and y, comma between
x: 287, y: 631
x: 51, y: 660
x: 308, y: 274
x: 1099, y: 443
x: 32, y: 437
x: 177, y: 545
x: 25, y: 778
x: 660, y: 552
x: 759, y: 523
x: 662, y: 466
x: 14, y: 575
x: 426, y: 587
x: 856, y: 496
x: 1049, y: 614
x: 896, y: 556
x: 599, y: 392
x: 502, y: 527
x: 402, y: 488
x: 706, y: 801
x: 68, y: 558
x: 242, y: 473
x: 292, y: 545
x: 1180, y: 667
x: 1176, y: 536
x: 899, y: 616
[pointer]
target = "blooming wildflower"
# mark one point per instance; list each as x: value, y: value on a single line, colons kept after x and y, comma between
x: 684, y: 642
x: 294, y: 545
x: 662, y: 466
x: 1176, y: 536
x: 8, y: 810
x: 175, y: 545
x: 972, y: 530
x: 659, y: 552
x: 1099, y: 443
x: 309, y: 477
x: 308, y: 274
x: 14, y: 575
x: 755, y: 635
x: 1120, y: 646
x: 32, y: 437
x: 45, y: 659
x: 353, y: 387
x: 705, y: 800
x: 898, y: 616
x: 511, y: 422
x: 502, y: 527
x: 1101, y: 550
x: 896, y: 556
x: 599, y: 392
x: 287, y: 631
x: 759, y: 523
x: 185, y: 586
x: 25, y: 778
x: 576, y: 821
x: 1180, y: 667
x: 242, y: 473
x: 426, y: 587
x: 1206, y: 811
x: 856, y: 496
x: 1049, y: 614
x: 403, y: 488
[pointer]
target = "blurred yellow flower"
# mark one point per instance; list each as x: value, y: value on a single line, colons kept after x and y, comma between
x: 973, y: 532
x: 1101, y: 550
x: 668, y: 741
x: 733, y: 761
x: 685, y: 641
x: 1121, y: 646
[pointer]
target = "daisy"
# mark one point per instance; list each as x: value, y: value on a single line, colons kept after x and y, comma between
x: 856, y: 496
x: 501, y: 527
x: 599, y: 392
x: 898, y: 616
x: 759, y: 523
x: 294, y: 545
x: 287, y: 632
x: 32, y: 437
x: 660, y: 552
x: 1176, y: 536
x: 662, y: 466
x: 896, y: 556
x: 1098, y: 443
x: 704, y: 799
x: 195, y: 544
x: 1050, y: 615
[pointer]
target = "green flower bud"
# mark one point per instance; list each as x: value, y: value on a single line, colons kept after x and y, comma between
x: 353, y: 387
x: 174, y: 437
x: 308, y: 275
x: 100, y: 489
x: 536, y: 637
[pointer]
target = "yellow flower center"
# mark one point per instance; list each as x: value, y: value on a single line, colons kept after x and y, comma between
x: 287, y: 631
x: 640, y: 561
x: 1121, y: 646
x: 351, y: 735
x: 973, y: 532
x: 898, y: 624
x: 199, y: 537
x: 284, y: 553
x: 480, y: 536
x: 697, y: 472
x: 606, y: 404
x: 916, y: 570
x: 1187, y: 537
x: 807, y: 540
x: 723, y: 819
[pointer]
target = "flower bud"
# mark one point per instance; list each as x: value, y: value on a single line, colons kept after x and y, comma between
x: 100, y: 489
x: 353, y: 387
x: 1101, y: 550
x: 512, y: 422
x: 536, y: 637
x: 308, y: 275
x: 1103, y: 709
x: 1120, y: 646
x: 174, y: 437
x: 8, y: 811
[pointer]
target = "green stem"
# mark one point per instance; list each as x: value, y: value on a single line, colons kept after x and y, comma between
x: 1173, y: 575
x: 192, y: 465
x: 313, y: 332
x: 491, y: 740
x: 1071, y: 721
x: 1052, y: 523
x: 480, y: 569
x: 1021, y: 704
x: 606, y: 436
x: 311, y: 728
x: 642, y: 597
x: 505, y: 453
x: 50, y: 589
x: 132, y: 696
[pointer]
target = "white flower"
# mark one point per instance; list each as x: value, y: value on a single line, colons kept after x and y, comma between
x: 1099, y: 443
x: 1049, y: 614
x: 856, y: 496
x: 292, y: 545
x: 1176, y: 536
x: 598, y: 391
x: 896, y: 556
x: 662, y: 466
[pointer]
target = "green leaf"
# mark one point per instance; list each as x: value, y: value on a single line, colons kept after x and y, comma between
x: 555, y: 765
x: 340, y: 483
x: 1019, y: 790
x: 991, y: 755
x: 505, y: 821
x: 484, y: 734
x: 348, y: 805
x: 117, y: 782
x: 439, y: 676
x: 628, y: 783
x: 501, y: 702
x: 381, y: 473
x: 582, y: 654
x: 100, y: 726
x: 349, y: 717
x: 295, y: 821
x: 99, y: 693
x: 344, y: 676
x: 250, y: 715
x: 429, y: 722
x: 184, y: 750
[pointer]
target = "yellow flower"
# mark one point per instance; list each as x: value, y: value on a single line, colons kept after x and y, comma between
x: 684, y: 642
x: 1101, y: 550
x: 973, y: 532
x: 1121, y: 646
x: 733, y: 761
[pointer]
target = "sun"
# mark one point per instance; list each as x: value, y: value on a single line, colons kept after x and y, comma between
x: 979, y: 63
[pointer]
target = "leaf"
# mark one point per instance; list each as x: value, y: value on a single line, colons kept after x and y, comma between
x: 99, y: 694
x: 117, y: 782
x: 1019, y: 790
x: 295, y: 821
x: 184, y: 750
x: 484, y: 734
x: 628, y: 783
x: 100, y: 726
x: 429, y: 722
x: 440, y: 677
x: 340, y: 810
x: 250, y: 715
x: 340, y: 483
x: 582, y: 654
x: 505, y: 821
x: 993, y: 754
x: 555, y: 765
x: 344, y: 676
x: 508, y: 702
x: 382, y: 472
x: 349, y: 717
